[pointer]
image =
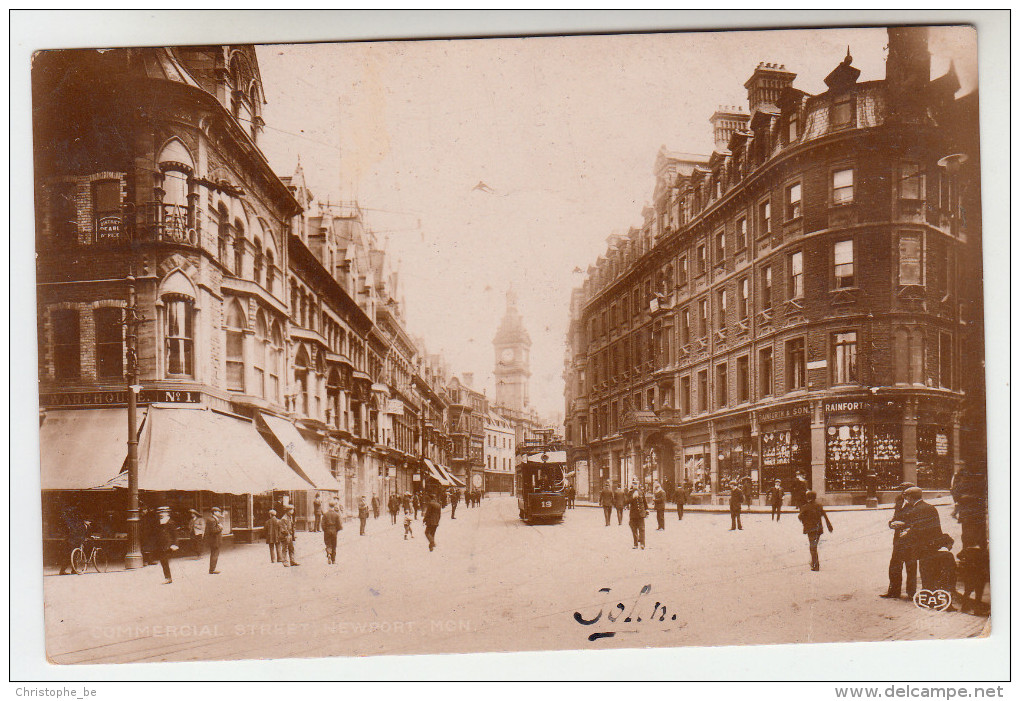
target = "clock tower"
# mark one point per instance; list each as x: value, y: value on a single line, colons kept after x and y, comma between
x: 512, y: 345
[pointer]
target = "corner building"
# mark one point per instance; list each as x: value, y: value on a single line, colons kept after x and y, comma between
x: 791, y: 303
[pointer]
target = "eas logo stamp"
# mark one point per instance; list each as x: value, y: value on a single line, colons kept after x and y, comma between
x: 938, y: 600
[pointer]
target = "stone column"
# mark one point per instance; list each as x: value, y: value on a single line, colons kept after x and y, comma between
x: 908, y: 448
x: 818, y: 447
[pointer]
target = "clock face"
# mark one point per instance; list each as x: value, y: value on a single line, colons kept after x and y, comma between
x: 507, y: 355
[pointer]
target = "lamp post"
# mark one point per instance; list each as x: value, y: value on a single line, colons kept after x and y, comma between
x: 133, y: 559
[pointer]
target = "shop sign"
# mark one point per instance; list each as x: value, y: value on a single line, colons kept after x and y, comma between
x: 817, y: 365
x: 108, y: 228
x: 787, y: 412
x: 392, y: 472
x: 145, y: 396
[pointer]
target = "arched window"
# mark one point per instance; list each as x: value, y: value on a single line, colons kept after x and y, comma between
x: 235, y: 328
x: 179, y: 335
x: 176, y: 216
x: 301, y: 372
x: 275, y: 362
x: 333, y: 409
x: 261, y: 353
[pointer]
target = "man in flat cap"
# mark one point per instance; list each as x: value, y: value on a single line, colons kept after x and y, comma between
x: 287, y: 536
x: 901, y: 555
x: 197, y: 527
x: 214, y: 534
x: 165, y: 541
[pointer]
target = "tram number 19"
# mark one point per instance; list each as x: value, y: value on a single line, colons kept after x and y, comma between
x: 546, y: 504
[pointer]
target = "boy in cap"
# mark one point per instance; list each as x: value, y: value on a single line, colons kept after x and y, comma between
x: 214, y: 534
x: 272, y: 532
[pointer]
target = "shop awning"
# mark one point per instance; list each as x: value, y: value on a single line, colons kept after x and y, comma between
x: 83, y: 448
x: 437, y: 475
x: 301, y: 453
x: 191, y: 450
x: 452, y: 478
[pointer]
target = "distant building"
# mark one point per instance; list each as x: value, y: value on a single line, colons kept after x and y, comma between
x: 500, y: 444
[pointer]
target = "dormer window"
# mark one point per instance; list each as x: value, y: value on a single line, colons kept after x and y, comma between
x: 792, y: 126
x: 842, y: 112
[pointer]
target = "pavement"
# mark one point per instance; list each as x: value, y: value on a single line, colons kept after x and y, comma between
x: 497, y: 584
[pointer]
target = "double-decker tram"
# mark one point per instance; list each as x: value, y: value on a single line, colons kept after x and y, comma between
x: 541, y: 482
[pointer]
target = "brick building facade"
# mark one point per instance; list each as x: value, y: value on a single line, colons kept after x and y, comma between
x: 792, y: 302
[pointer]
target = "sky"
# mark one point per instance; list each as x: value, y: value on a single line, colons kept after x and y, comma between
x: 490, y: 163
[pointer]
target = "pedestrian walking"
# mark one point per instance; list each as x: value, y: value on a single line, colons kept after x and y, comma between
x: 375, y: 506
x: 659, y: 499
x: 393, y: 506
x: 454, y: 500
x: 811, y: 515
x: 271, y: 530
x: 638, y: 512
x: 901, y: 556
x: 797, y: 491
x: 407, y: 503
x: 776, y: 500
x: 317, y: 509
x: 407, y: 526
x: 166, y: 541
x: 606, y: 502
x: 331, y: 525
x: 416, y: 503
x: 736, y: 501
x: 197, y: 530
x: 619, y: 501
x: 680, y: 497
x: 922, y: 533
x: 214, y: 535
x: 288, y: 535
x: 433, y: 512
x: 362, y: 513
x: 76, y: 532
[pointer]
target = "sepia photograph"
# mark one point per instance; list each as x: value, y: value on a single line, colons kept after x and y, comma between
x: 513, y: 343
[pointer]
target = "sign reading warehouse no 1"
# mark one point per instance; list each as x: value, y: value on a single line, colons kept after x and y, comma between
x: 145, y: 396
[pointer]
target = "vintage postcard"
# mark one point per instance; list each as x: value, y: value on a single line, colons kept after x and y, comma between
x: 536, y: 343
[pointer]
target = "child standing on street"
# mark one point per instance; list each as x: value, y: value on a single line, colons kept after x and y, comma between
x: 407, y: 526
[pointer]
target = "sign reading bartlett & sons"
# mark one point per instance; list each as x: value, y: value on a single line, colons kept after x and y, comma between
x: 145, y: 396
x: 786, y: 412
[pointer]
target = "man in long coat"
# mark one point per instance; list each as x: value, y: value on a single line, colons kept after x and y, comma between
x: 606, y: 502
x: 659, y: 499
x: 272, y: 533
x: 433, y: 512
x: 287, y: 536
x: 214, y: 536
x: 619, y: 501
x: 681, y: 500
x: 331, y: 524
x: 736, y: 501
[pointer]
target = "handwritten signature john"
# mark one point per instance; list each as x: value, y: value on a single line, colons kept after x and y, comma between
x: 626, y: 617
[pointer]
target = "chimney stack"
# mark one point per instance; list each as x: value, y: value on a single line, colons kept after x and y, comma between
x: 727, y: 120
x: 766, y: 84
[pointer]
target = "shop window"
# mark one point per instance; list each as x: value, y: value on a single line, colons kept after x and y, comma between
x: 793, y: 203
x: 796, y: 369
x: 934, y: 457
x: 741, y: 234
x: 178, y: 334
x: 261, y: 354
x: 66, y: 344
x: 843, y: 264
x: 106, y: 210
x: 685, y: 395
x: 765, y: 372
x: 721, y: 385
x: 844, y: 358
x: 766, y: 287
x: 743, y: 379
x: 109, y: 343
x: 64, y: 213
x: 703, y: 390
x: 235, y: 348
x: 843, y: 186
x: 945, y: 360
x: 911, y: 260
x: 764, y: 218
x: 910, y: 184
x: 796, y: 290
